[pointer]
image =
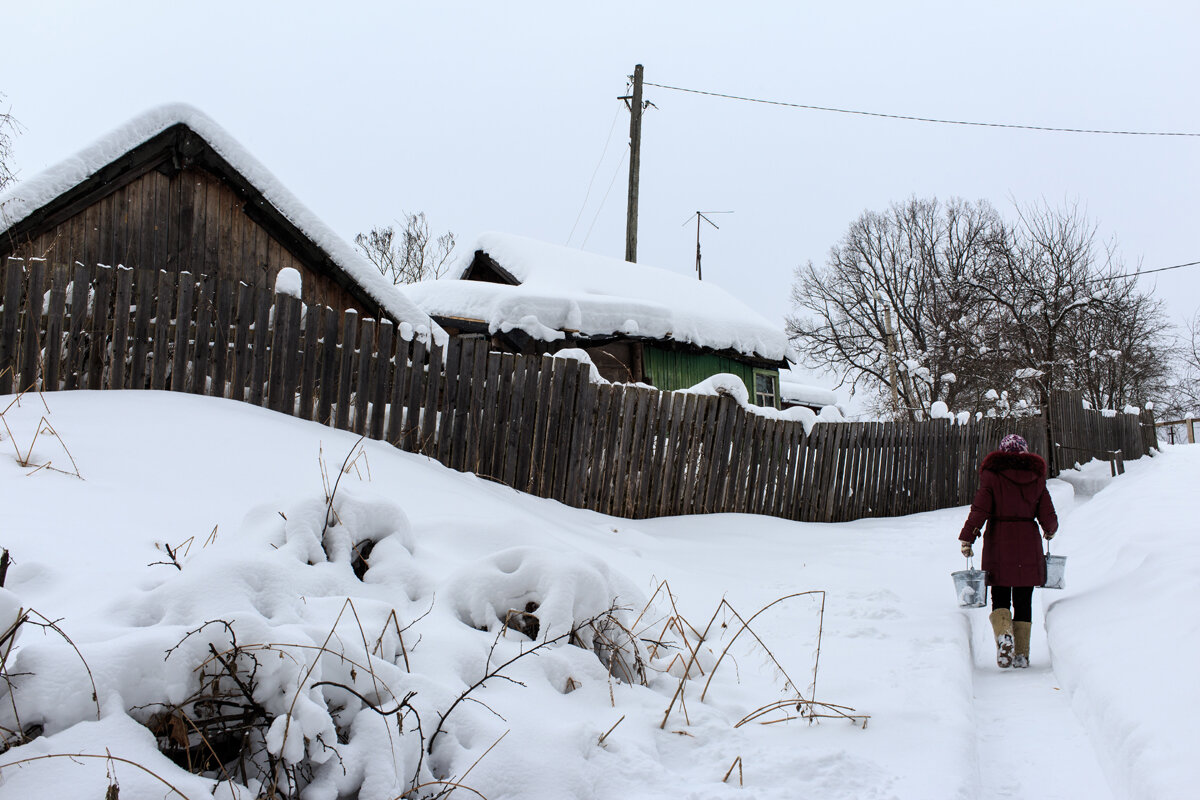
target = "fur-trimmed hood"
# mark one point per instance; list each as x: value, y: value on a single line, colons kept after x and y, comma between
x: 1031, y: 464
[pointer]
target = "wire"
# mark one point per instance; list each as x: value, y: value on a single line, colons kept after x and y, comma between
x: 588, y: 193
x: 911, y: 118
x: 1142, y: 272
x: 617, y: 172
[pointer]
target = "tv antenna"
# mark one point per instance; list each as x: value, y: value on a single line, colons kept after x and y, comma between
x: 700, y: 215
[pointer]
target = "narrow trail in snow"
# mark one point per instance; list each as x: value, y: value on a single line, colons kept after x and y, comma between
x: 1030, y: 743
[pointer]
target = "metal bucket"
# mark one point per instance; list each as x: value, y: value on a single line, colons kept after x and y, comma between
x: 1056, y: 571
x: 970, y: 585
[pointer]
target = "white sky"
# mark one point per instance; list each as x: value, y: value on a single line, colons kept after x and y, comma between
x: 491, y: 116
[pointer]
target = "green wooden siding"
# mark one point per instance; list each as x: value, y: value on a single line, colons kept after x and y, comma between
x: 670, y: 369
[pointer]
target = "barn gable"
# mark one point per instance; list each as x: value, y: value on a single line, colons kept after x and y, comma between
x: 171, y: 190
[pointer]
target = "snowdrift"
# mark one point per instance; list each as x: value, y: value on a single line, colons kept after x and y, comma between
x: 219, y: 600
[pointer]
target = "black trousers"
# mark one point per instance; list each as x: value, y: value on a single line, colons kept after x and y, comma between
x: 1019, y: 597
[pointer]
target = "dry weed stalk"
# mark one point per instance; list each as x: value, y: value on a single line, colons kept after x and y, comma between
x: 497, y: 672
x: 737, y: 762
x: 807, y: 711
x: 604, y: 735
x: 220, y: 729
x: 394, y: 621
x: 22, y: 734
x: 174, y: 553
x: 358, y: 451
x: 107, y: 757
x: 693, y: 639
x: 43, y: 428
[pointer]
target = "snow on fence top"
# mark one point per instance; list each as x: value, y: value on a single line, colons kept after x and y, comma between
x: 30, y: 195
x: 561, y: 289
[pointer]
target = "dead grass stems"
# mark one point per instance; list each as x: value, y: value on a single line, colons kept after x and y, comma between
x: 357, y: 452
x: 692, y: 641
x: 43, y: 428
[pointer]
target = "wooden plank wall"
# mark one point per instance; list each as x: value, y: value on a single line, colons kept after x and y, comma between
x: 538, y: 424
x: 189, y: 221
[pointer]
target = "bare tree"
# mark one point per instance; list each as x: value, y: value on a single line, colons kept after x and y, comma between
x: 1181, y: 399
x: 9, y: 128
x: 1123, y: 351
x: 897, y: 302
x: 1047, y: 276
x: 981, y: 314
x: 410, y: 255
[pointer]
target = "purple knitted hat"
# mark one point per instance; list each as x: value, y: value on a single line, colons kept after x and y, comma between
x: 1014, y: 444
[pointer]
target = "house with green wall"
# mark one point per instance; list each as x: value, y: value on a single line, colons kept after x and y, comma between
x: 637, y: 323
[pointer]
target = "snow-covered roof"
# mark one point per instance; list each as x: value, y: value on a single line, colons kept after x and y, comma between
x: 30, y: 195
x: 803, y: 394
x: 561, y: 289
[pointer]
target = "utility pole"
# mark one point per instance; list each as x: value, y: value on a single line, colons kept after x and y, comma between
x: 700, y: 215
x: 634, y: 102
x: 891, y: 345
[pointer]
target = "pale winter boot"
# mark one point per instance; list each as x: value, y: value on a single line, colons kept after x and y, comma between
x: 1021, y: 632
x: 1002, y: 626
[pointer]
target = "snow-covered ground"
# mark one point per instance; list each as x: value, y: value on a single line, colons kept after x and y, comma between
x: 1107, y: 709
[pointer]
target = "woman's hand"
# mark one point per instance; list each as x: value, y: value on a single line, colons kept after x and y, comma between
x: 967, y: 550
x: 1048, y: 535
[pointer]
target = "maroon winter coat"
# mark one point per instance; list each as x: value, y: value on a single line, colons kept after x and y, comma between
x: 1012, y: 494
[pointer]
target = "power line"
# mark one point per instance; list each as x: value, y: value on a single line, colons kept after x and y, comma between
x: 604, y: 199
x: 911, y: 118
x: 1142, y: 272
x: 588, y: 193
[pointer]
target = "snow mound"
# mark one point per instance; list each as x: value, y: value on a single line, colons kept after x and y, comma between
x: 539, y: 591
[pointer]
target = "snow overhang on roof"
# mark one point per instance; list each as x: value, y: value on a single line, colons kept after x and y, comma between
x: 565, y: 290
x: 28, y: 196
x: 802, y: 394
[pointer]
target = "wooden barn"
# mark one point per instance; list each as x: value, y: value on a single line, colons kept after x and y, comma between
x: 170, y: 190
x: 637, y: 323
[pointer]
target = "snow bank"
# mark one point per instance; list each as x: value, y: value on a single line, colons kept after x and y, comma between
x: 562, y: 289
x: 31, y: 194
x: 1125, y: 635
x: 449, y: 554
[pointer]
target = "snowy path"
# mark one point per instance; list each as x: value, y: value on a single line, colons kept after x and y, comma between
x: 1030, y: 742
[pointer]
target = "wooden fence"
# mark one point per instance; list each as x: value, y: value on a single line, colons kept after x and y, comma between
x: 536, y: 424
x: 1081, y: 434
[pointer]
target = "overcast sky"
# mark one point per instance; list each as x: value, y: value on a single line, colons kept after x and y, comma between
x: 494, y: 116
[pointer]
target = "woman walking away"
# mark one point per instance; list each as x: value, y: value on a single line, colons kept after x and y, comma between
x: 1012, y: 500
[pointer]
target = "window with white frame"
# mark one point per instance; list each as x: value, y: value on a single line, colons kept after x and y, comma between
x: 766, y: 389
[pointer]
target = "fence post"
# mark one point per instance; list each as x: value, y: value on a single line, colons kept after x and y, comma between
x: 31, y: 337
x: 120, y: 331
x: 14, y: 269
